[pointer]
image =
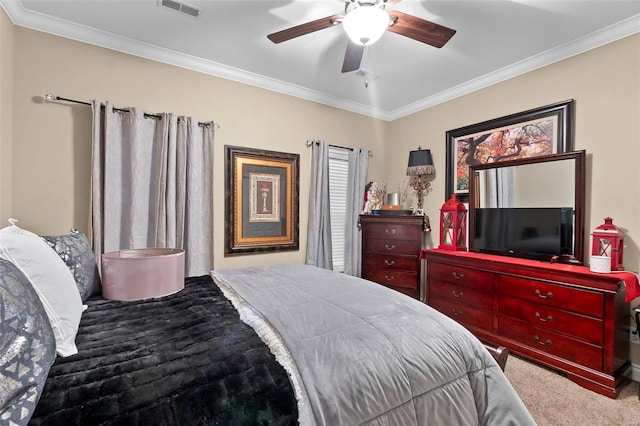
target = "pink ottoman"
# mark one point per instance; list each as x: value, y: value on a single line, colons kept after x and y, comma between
x: 142, y: 273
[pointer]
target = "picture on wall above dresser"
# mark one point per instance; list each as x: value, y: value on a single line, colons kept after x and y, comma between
x: 539, y: 131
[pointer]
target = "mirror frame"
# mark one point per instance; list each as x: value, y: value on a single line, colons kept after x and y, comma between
x: 579, y: 203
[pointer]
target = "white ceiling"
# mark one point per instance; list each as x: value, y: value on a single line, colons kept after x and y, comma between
x: 495, y: 40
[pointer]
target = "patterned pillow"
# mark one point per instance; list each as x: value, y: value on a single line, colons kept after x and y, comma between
x: 75, y: 251
x: 51, y: 279
x: 27, y: 346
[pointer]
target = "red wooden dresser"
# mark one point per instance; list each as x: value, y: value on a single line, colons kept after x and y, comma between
x: 561, y: 316
x: 391, y: 251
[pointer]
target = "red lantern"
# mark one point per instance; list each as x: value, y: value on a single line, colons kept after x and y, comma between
x: 608, y: 241
x: 453, y: 225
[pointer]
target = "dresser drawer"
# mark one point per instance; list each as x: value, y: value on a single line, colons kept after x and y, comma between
x: 463, y: 313
x: 467, y: 277
x: 572, y: 299
x: 580, y: 326
x: 550, y: 342
x: 380, y: 261
x: 373, y: 245
x: 392, y: 278
x: 461, y: 294
x: 394, y: 231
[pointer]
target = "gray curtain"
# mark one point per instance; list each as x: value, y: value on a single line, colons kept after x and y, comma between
x: 358, y: 165
x: 152, y: 184
x: 500, y: 190
x: 319, y: 251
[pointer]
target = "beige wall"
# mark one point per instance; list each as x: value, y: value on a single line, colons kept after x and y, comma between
x: 51, y: 150
x: 605, y: 84
x: 6, y: 112
x: 534, y: 181
x: 47, y: 145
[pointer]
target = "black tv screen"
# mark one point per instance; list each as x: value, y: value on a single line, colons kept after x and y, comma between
x: 535, y: 233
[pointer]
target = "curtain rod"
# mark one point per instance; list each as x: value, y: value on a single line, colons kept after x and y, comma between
x: 53, y: 98
x: 338, y: 146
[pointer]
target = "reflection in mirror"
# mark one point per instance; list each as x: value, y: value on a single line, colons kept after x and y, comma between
x: 531, y: 208
x: 528, y: 185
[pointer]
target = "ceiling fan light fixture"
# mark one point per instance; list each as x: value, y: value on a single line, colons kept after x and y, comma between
x: 365, y: 24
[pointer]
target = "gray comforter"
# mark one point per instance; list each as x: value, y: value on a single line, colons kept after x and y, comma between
x: 359, y: 353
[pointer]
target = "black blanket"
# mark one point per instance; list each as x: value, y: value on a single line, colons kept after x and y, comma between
x: 184, y: 359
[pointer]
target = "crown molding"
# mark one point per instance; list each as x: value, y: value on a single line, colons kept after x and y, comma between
x: 59, y: 27
x: 591, y: 41
x: 71, y: 30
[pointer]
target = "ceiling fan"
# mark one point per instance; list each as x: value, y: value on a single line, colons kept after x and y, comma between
x: 364, y: 22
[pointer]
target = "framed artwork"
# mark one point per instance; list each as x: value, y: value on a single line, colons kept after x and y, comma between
x: 539, y: 131
x: 261, y: 206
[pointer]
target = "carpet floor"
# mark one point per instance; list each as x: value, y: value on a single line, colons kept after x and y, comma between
x: 552, y: 399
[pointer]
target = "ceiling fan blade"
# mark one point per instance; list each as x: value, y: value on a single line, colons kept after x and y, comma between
x: 309, y: 27
x: 352, y: 57
x: 419, y: 29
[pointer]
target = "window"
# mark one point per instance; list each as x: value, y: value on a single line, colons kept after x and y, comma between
x: 338, y: 177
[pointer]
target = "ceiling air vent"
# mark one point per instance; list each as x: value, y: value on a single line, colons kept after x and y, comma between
x: 181, y: 7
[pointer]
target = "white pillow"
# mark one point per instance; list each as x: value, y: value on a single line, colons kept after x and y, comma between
x: 51, y: 279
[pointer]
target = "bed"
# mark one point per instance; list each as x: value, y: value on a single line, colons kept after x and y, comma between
x: 280, y: 345
x: 184, y: 359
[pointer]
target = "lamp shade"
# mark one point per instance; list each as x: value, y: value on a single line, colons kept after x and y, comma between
x: 420, y: 163
x: 365, y: 24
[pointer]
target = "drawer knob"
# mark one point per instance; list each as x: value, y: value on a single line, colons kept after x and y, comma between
x: 456, y: 276
x: 543, y: 296
x: 548, y: 318
x: 389, y: 246
x: 389, y: 278
x: 390, y: 232
x: 545, y: 343
x: 389, y: 262
x: 456, y: 312
x: 456, y: 294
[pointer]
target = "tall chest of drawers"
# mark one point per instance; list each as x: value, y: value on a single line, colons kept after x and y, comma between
x: 562, y: 316
x: 391, y: 251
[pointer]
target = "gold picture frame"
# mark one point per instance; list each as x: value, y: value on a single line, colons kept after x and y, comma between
x: 262, y: 190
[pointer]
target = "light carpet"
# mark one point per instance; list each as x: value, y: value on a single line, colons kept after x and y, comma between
x: 552, y: 399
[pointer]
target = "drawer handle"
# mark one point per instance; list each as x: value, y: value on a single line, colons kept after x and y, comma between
x: 545, y: 343
x: 548, y: 318
x: 543, y: 296
x: 456, y: 276
x: 392, y: 232
x: 389, y: 262
x: 456, y: 312
x: 389, y: 278
x: 389, y: 247
x: 458, y: 295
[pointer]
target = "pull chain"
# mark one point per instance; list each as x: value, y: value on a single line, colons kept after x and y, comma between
x: 364, y: 68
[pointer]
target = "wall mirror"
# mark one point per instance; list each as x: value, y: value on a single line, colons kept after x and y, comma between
x: 530, y: 208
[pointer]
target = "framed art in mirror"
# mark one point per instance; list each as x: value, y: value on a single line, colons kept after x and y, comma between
x: 261, y: 201
x: 540, y: 131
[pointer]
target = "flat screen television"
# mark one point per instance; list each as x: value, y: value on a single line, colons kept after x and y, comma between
x: 543, y: 233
